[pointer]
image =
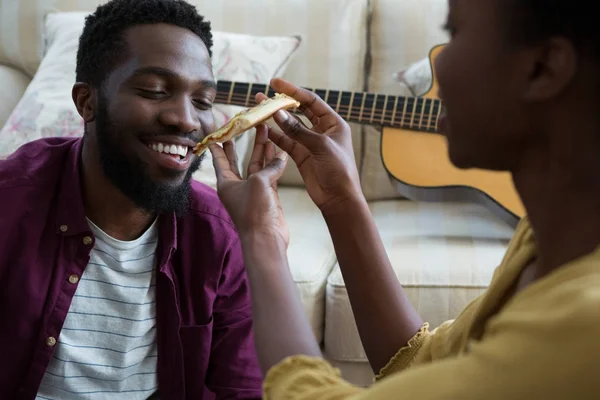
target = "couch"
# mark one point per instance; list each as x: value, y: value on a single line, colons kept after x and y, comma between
x: 443, y: 253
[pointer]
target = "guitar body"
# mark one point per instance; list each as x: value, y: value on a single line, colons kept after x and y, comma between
x: 419, y: 162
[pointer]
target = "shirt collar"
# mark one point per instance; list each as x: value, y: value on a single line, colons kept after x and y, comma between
x: 167, y: 240
x: 70, y: 215
x: 168, y: 230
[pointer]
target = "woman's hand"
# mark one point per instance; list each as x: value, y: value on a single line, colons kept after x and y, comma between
x: 281, y: 327
x: 325, y: 158
x: 323, y: 153
x: 253, y: 203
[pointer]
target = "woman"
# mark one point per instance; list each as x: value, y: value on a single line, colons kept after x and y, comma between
x: 520, y: 84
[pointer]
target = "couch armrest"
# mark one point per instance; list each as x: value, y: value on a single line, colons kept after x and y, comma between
x: 14, y: 83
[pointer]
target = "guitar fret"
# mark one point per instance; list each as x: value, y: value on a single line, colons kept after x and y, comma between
x: 249, y: 93
x: 337, y: 106
x: 421, y: 114
x: 422, y: 118
x: 362, y: 107
x: 395, y: 109
x: 231, y: 91
x: 384, y: 113
x: 404, y: 109
x: 373, y: 108
x: 350, y: 105
x: 412, y: 114
x: 429, y: 119
x: 326, y: 96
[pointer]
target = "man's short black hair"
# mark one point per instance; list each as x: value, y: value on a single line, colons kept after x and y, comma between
x: 534, y: 20
x: 102, y: 44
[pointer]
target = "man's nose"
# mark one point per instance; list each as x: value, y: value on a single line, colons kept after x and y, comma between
x: 182, y: 115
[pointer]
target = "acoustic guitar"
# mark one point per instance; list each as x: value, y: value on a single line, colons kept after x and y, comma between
x: 413, y: 152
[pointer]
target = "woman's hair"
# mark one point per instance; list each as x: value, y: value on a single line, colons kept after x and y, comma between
x: 531, y: 21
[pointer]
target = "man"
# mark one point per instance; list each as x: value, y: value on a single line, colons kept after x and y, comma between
x: 120, y: 277
x: 520, y: 81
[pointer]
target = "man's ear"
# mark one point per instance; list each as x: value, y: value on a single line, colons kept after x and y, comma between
x: 552, y: 69
x: 84, y: 97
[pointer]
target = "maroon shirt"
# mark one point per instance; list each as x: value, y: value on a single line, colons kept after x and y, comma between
x: 204, y: 324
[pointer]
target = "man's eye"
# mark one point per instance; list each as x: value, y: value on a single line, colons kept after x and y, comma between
x: 203, y: 105
x: 152, y: 94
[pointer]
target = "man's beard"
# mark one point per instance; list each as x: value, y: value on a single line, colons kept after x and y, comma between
x: 129, y: 174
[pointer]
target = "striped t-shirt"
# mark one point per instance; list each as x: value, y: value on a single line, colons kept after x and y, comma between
x: 107, y: 346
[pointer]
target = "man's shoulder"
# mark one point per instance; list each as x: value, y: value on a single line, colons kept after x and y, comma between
x: 35, y: 163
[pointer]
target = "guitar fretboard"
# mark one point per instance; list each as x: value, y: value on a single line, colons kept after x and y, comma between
x: 415, y: 113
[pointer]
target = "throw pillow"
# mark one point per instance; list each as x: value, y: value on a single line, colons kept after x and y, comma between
x: 416, y: 76
x: 46, y: 109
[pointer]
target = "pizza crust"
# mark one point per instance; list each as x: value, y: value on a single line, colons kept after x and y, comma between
x: 247, y: 119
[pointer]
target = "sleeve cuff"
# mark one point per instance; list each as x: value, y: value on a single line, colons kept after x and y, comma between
x: 405, y: 356
x: 298, y: 377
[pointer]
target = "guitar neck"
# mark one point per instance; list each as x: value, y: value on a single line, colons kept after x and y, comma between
x: 415, y: 113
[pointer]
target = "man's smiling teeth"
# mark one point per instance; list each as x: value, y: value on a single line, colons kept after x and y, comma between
x: 169, y: 148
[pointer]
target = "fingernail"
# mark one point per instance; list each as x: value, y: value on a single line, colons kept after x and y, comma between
x: 282, y: 155
x: 283, y: 115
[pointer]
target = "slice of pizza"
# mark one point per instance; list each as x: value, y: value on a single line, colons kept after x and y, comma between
x: 247, y: 119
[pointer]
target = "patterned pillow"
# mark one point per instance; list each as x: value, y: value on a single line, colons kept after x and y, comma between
x: 47, y: 109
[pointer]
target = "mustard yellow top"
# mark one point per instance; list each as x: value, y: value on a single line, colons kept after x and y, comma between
x: 544, y: 343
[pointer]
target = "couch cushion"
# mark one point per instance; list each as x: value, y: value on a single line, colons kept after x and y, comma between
x: 310, y: 253
x: 14, y: 83
x: 444, y: 254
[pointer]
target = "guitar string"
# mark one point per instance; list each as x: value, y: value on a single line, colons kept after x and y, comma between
x: 425, y: 119
x: 419, y: 106
x: 369, y: 104
x: 430, y: 126
x: 246, y: 90
x: 241, y: 88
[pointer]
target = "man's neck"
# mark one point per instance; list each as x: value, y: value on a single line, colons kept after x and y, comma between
x: 561, y: 192
x: 107, y: 207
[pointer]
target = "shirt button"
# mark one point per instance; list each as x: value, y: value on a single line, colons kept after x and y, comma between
x: 64, y: 228
x: 87, y: 240
x: 73, y: 279
x: 51, y: 341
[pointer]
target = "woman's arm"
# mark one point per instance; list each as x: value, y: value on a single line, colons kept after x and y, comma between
x: 281, y: 327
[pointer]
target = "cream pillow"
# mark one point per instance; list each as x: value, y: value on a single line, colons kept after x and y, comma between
x: 46, y: 109
x: 14, y: 83
x: 417, y: 76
